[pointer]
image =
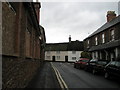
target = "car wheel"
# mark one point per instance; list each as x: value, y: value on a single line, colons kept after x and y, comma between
x: 94, y: 71
x: 107, y: 75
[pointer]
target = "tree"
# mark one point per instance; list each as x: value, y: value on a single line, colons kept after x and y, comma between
x: 86, y: 55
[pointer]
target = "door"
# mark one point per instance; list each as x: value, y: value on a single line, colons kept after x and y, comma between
x: 53, y: 58
x: 66, y: 58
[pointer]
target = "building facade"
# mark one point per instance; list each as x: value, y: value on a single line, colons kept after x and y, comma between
x: 66, y: 52
x: 104, y: 43
x: 21, y: 43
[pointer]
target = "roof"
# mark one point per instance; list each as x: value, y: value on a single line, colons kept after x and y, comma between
x: 106, y: 26
x: 105, y: 46
x: 67, y: 46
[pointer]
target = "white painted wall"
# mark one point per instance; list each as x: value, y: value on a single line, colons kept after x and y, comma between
x: 77, y: 55
x: 62, y: 55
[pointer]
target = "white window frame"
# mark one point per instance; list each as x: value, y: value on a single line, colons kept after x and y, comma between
x: 58, y: 57
x: 88, y: 43
x: 96, y: 41
x: 112, y: 34
x: 73, y: 58
x: 103, y: 38
x: 48, y: 57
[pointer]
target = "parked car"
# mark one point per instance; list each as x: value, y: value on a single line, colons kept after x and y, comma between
x: 81, y: 63
x: 90, y: 64
x: 99, y: 66
x: 112, y: 69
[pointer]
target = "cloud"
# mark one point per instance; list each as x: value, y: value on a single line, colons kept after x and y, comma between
x: 61, y: 19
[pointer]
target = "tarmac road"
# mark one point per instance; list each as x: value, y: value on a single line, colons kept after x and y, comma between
x: 75, y: 78
x: 64, y: 75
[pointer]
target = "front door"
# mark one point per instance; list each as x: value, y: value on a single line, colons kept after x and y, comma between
x: 53, y: 58
x: 66, y: 58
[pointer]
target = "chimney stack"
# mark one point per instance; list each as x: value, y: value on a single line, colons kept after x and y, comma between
x: 37, y: 6
x: 69, y: 38
x: 110, y: 15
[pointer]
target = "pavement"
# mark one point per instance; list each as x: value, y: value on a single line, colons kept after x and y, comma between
x: 45, y: 78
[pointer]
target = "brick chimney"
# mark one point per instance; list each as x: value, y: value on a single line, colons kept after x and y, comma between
x: 110, y: 15
x: 37, y: 6
x: 69, y: 38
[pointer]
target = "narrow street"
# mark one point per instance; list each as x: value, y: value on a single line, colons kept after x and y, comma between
x: 76, y: 78
x: 72, y: 78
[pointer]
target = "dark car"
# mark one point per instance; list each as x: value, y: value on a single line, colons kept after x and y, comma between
x: 99, y: 66
x: 81, y: 63
x: 89, y: 65
x: 112, y: 69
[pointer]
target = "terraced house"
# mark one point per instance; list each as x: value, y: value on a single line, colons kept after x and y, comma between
x: 22, y: 39
x: 104, y: 43
x: 66, y: 52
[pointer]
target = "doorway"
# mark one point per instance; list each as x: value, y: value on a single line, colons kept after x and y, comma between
x: 66, y: 58
x: 53, y: 58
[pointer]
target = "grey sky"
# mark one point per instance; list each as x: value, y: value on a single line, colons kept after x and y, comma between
x: 78, y: 19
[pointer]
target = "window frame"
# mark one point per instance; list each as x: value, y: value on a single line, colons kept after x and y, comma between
x: 112, y: 35
x: 96, y: 40
x: 103, y: 38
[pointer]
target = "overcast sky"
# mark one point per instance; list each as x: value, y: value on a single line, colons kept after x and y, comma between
x: 78, y: 19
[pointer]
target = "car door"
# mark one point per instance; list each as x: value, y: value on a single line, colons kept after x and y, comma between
x: 111, y: 68
x: 117, y: 70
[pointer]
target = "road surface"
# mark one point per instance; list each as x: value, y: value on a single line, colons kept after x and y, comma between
x: 75, y: 78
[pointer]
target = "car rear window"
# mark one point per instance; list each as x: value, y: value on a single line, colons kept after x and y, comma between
x: 85, y: 60
x: 102, y: 62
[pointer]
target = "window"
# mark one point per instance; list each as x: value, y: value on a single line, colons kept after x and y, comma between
x: 58, y: 57
x: 103, y: 38
x: 112, y: 37
x: 112, y: 63
x: 88, y: 42
x: 73, y: 58
x: 48, y: 57
x: 96, y: 41
x: 73, y: 52
x: 58, y: 52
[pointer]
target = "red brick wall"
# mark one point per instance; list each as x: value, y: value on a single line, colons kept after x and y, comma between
x: 17, y: 45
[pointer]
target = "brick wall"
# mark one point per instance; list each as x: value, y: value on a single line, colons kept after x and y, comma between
x: 19, y: 60
x: 17, y: 72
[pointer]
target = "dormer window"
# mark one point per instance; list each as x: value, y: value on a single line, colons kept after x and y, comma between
x: 96, y: 41
x: 103, y: 38
x: 112, y: 35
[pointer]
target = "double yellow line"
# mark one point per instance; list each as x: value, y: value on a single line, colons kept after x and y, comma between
x: 59, y: 77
